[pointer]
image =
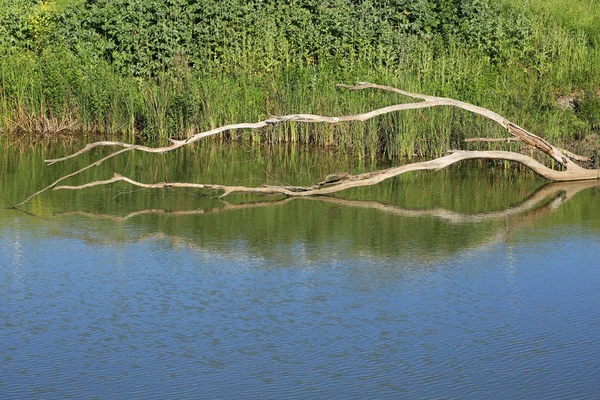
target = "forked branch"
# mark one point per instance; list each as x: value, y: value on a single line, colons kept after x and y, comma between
x: 351, y: 181
x: 570, y: 170
x: 568, y: 153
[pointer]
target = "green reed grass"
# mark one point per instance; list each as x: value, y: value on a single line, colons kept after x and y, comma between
x: 557, y: 59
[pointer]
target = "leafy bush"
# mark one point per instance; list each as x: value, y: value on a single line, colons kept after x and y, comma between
x: 160, y: 68
x: 14, y: 25
x: 142, y: 37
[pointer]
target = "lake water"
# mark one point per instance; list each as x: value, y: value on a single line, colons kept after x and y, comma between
x: 474, y: 282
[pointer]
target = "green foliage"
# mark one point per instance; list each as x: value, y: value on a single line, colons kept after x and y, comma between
x: 588, y: 109
x: 14, y: 25
x: 142, y: 37
x: 581, y: 16
x: 164, y: 68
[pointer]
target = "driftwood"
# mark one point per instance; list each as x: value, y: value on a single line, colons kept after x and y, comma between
x: 570, y: 171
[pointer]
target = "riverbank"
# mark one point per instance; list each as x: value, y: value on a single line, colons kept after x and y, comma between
x: 61, y: 73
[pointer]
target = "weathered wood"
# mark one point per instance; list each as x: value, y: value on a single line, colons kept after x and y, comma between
x: 366, y: 179
x: 566, y: 152
x: 571, y: 171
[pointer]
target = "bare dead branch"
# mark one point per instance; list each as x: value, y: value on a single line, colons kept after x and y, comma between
x: 429, y: 101
x: 56, y: 182
x: 512, y: 128
x: 570, y: 172
x: 493, y: 140
x: 568, y: 153
x: 350, y: 181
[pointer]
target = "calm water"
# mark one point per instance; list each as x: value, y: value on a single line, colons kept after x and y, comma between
x: 467, y: 283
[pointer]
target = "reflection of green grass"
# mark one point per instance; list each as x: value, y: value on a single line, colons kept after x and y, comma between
x: 23, y: 173
x: 581, y: 211
x: 467, y: 188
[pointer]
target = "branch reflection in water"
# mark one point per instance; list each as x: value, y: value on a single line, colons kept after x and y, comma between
x: 541, y: 203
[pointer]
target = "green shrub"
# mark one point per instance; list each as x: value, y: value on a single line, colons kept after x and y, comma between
x: 142, y: 37
x: 163, y: 68
x: 588, y: 109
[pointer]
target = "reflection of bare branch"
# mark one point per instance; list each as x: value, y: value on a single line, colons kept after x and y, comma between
x: 179, y: 213
x: 539, y: 204
x: 562, y: 192
x: 347, y: 181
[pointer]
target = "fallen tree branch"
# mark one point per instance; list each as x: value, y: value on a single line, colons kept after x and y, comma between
x: 350, y: 181
x: 569, y: 154
x: 570, y: 172
x: 56, y: 182
x: 428, y: 101
x: 492, y: 140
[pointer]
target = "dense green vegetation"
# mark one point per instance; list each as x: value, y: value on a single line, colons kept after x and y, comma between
x: 160, y: 68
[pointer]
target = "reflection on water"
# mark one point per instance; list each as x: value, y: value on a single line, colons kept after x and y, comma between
x: 468, y: 283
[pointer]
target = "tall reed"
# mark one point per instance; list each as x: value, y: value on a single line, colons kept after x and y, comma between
x: 523, y: 82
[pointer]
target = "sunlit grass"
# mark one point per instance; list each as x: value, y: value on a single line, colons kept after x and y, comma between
x: 573, y: 14
x: 557, y: 60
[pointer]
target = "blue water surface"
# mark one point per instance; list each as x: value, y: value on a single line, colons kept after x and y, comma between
x: 85, y: 316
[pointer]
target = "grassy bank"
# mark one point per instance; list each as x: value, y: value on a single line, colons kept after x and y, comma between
x: 124, y: 73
